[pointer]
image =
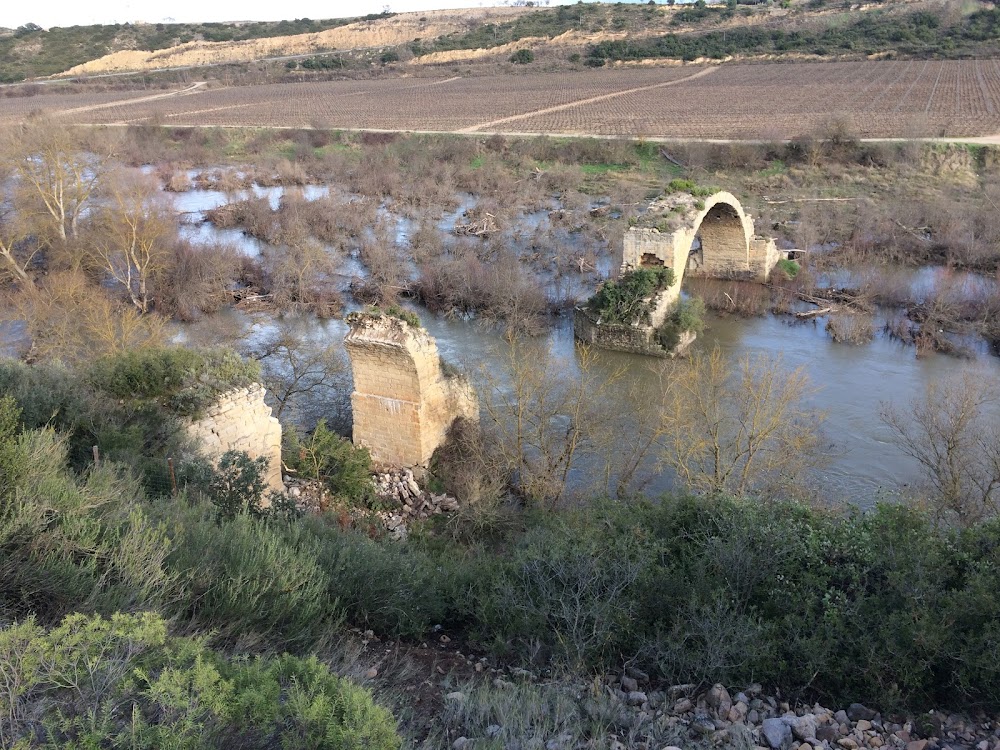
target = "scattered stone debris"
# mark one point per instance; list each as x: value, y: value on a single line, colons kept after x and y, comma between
x: 397, y: 492
x: 405, y: 501
x: 716, y: 718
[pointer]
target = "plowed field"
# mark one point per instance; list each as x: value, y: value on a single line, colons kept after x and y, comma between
x: 916, y: 98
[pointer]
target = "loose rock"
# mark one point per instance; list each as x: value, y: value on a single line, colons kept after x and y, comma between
x: 777, y: 734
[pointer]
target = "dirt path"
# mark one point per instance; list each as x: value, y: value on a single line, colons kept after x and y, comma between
x: 581, y: 102
x: 192, y: 89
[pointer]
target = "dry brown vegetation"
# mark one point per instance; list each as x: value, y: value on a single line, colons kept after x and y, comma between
x: 381, y: 32
x: 957, y: 98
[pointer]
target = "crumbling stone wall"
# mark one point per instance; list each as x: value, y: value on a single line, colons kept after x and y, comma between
x: 620, y: 337
x: 241, y: 420
x: 403, y: 400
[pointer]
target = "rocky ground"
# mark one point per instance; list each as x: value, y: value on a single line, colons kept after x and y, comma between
x: 749, y: 719
x: 399, y: 497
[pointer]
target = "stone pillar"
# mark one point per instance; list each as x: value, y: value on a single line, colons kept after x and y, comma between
x: 403, y: 400
x: 240, y: 420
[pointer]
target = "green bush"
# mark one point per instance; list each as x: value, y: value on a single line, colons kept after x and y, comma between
x: 688, y: 186
x: 67, y: 541
x: 343, y: 467
x: 627, y: 300
x: 788, y: 267
x: 689, y: 315
x: 248, y: 577
x: 395, y: 589
x: 523, y: 57
x: 184, y: 381
x: 124, y: 682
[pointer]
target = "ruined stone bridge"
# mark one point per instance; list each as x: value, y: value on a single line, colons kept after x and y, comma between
x: 710, y: 236
x: 728, y: 246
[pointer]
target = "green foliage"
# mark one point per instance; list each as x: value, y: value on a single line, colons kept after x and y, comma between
x: 523, y: 57
x: 68, y: 541
x: 717, y: 590
x: 395, y: 589
x: 689, y: 186
x: 237, y: 485
x: 393, y: 311
x: 706, y: 589
x: 627, y: 299
x: 389, y: 56
x: 919, y: 33
x: 124, y: 682
x: 343, y: 467
x: 689, y: 315
x: 322, y: 62
x: 247, y: 576
x: 788, y: 267
x: 184, y: 381
x: 572, y: 590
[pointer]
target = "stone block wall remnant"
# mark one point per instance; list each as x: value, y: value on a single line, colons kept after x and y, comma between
x: 241, y: 420
x: 403, y: 401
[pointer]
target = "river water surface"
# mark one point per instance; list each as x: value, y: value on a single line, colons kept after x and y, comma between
x: 851, y: 383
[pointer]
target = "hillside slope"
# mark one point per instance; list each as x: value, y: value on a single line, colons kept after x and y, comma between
x: 31, y: 51
x: 389, y: 31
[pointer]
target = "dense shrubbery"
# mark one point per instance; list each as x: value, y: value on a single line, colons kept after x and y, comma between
x: 124, y: 682
x: 626, y: 300
x: 127, y: 405
x: 921, y: 34
x: 344, y: 468
x: 687, y: 316
x: 690, y: 589
x: 185, y: 381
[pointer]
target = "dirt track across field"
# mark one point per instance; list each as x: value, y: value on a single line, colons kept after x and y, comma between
x: 940, y: 99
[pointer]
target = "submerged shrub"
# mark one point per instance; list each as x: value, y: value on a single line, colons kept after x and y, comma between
x: 626, y: 300
x: 689, y: 315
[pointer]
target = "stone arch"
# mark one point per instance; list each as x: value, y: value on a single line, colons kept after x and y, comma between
x: 724, y: 232
x: 729, y: 246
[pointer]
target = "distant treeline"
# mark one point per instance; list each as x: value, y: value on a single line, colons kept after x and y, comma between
x: 32, y: 51
x: 918, y: 34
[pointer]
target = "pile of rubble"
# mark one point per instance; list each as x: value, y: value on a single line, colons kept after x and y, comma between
x: 404, y: 501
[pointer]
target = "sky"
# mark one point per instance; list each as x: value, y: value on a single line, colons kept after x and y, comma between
x: 82, y: 12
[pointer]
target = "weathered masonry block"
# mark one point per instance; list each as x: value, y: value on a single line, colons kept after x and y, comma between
x: 240, y: 420
x: 403, y: 400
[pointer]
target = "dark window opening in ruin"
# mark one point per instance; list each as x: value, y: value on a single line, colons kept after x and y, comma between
x: 649, y: 260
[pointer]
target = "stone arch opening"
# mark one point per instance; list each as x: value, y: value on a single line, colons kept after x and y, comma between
x: 720, y: 245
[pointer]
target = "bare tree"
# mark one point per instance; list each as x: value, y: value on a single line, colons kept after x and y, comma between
x: 305, y: 377
x: 53, y: 168
x: 69, y: 319
x: 543, y: 416
x: 135, y: 230
x: 952, y: 433
x: 18, y: 249
x: 739, y: 426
